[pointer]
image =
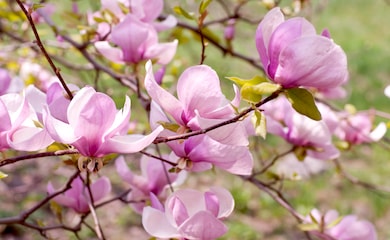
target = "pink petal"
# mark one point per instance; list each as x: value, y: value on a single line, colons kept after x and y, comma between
x: 312, y: 61
x: 212, y: 203
x: 156, y: 224
x: 109, y: 52
x: 282, y: 37
x: 123, y: 169
x: 203, y: 225
x: 178, y: 210
x: 162, y: 97
x: 133, y: 37
x: 163, y: 52
x: 121, y: 122
x: 129, y: 143
x: 264, y: 32
x: 198, y: 88
x: 30, y: 139
x: 226, y: 201
x: 100, y: 188
x: 5, y: 81
x: 61, y: 132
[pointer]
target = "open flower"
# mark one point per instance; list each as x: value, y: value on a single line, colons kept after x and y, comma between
x: 190, y: 214
x: 348, y: 228
x: 78, y: 197
x: 137, y: 41
x: 154, y: 178
x: 19, y: 128
x: 95, y: 127
x: 293, y: 55
x: 312, y: 136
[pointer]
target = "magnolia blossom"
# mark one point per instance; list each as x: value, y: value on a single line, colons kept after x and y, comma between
x: 190, y: 214
x: 20, y: 128
x: 94, y: 126
x: 300, y: 130
x: 137, y: 41
x: 200, y: 153
x: 349, y: 228
x: 200, y: 104
x: 154, y: 178
x: 78, y: 197
x: 357, y: 128
x: 293, y: 55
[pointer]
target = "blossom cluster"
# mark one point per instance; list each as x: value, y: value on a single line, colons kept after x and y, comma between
x: 202, y: 129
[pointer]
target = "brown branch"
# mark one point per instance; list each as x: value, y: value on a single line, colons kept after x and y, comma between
x: 218, y: 125
x: 37, y: 155
x: 39, y: 43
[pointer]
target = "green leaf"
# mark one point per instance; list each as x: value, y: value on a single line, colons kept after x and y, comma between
x: 3, y: 175
x: 260, y: 124
x: 253, y: 93
x: 174, y: 127
x: 35, y: 6
x: 308, y: 226
x: 203, y: 5
x: 303, y: 102
x: 179, y: 10
x: 253, y: 81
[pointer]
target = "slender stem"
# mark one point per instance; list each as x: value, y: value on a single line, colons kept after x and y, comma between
x: 218, y: 125
x: 56, y: 70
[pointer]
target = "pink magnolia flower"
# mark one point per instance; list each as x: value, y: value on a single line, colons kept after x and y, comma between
x: 200, y: 104
x: 200, y: 153
x: 293, y: 55
x: 349, y: 228
x: 19, y: 128
x: 94, y: 126
x: 190, y: 214
x: 77, y: 197
x: 153, y: 179
x: 357, y: 128
x: 137, y: 41
x: 300, y: 130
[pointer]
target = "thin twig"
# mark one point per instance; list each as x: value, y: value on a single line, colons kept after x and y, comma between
x: 39, y: 42
x: 37, y: 155
x: 218, y: 125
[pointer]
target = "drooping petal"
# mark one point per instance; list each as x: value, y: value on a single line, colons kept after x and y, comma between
x: 100, y: 188
x: 30, y: 139
x: 156, y: 224
x: 129, y: 143
x: 109, y: 52
x: 163, y: 52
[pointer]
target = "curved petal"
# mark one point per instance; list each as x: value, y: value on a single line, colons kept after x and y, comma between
x: 264, y: 32
x: 163, y: 52
x: 78, y: 103
x: 162, y: 97
x: 202, y: 225
x: 198, y: 88
x: 312, y: 61
x: 167, y: 23
x: 111, y: 53
x: 156, y: 224
x: 226, y: 201
x: 128, y: 143
x: 61, y: 132
x: 123, y: 169
x: 283, y: 35
x: 30, y: 139
x: 100, y: 188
